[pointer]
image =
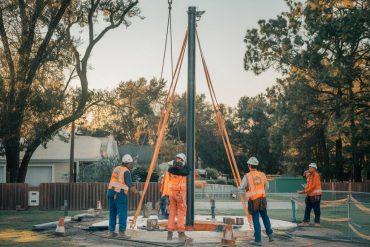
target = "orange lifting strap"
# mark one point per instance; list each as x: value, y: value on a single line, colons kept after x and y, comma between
x: 163, y: 123
x: 223, y: 133
x: 162, y: 126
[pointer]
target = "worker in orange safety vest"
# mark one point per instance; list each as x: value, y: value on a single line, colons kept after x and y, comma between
x: 254, y: 183
x: 313, y: 198
x: 118, y: 188
x: 177, y: 194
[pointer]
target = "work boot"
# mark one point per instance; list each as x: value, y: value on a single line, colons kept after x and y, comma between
x: 255, y: 243
x: 169, y: 235
x: 317, y: 225
x: 183, y: 237
x: 123, y: 235
x: 270, y: 237
x: 304, y: 224
x: 111, y: 234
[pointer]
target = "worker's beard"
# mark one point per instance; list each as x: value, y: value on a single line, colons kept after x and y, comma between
x: 178, y: 164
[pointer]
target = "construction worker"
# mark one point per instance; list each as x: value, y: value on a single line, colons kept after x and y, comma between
x: 255, y: 183
x: 118, y: 188
x: 177, y: 194
x: 313, y: 198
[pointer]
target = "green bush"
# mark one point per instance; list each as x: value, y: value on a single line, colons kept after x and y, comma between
x: 100, y: 171
x: 139, y: 174
x: 212, y: 173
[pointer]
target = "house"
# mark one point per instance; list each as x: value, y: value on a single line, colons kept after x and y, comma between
x: 51, y: 164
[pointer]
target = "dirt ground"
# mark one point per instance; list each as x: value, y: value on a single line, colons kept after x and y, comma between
x: 16, y: 230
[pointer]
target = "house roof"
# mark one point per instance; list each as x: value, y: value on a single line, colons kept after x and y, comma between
x: 86, y: 148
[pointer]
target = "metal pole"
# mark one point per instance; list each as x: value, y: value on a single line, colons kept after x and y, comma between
x: 190, y: 117
x: 72, y: 151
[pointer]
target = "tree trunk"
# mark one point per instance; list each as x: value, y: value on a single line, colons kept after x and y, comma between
x: 12, y: 151
x: 325, y: 155
x: 339, y: 159
x: 356, y: 170
x: 26, y: 160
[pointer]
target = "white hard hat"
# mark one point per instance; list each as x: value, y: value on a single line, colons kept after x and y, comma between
x: 253, y: 161
x: 181, y: 156
x: 127, y: 159
x: 313, y: 165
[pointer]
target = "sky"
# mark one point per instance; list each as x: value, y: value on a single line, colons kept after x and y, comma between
x: 137, y: 51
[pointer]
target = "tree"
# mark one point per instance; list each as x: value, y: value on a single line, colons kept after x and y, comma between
x: 323, y: 46
x: 130, y: 111
x: 252, y: 129
x: 37, y: 48
x: 208, y: 143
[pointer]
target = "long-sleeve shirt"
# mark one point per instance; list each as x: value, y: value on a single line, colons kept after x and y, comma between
x: 128, y: 179
x: 313, y: 186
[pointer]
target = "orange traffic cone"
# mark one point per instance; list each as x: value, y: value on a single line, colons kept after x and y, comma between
x: 228, y: 238
x: 60, y: 227
x: 98, y: 205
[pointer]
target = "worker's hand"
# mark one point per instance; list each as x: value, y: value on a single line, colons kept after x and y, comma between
x: 300, y: 191
x: 139, y: 193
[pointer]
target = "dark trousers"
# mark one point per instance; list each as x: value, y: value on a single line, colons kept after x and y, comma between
x: 118, y: 205
x: 312, y: 202
x: 163, y: 204
x: 257, y: 224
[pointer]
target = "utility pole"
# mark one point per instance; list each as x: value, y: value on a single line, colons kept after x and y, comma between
x: 193, y: 14
x: 72, y: 151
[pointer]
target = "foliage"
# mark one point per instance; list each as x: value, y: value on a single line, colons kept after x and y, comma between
x: 99, y: 171
x: 40, y: 55
x: 212, y: 173
x: 322, y: 49
x: 130, y: 114
x: 139, y: 174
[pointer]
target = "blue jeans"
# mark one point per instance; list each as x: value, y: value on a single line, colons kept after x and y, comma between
x: 257, y: 225
x: 312, y: 202
x: 163, y: 204
x: 117, y: 206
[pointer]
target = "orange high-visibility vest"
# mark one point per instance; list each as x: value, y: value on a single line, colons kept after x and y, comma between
x: 256, y: 185
x: 313, y: 186
x: 117, y: 180
x: 165, y: 190
x: 176, y: 183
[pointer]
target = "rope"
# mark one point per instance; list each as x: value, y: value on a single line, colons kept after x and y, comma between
x: 335, y: 201
x: 161, y: 129
x: 172, y: 82
x: 168, y: 31
x: 334, y: 219
x: 360, y: 206
x: 361, y: 235
x: 223, y: 133
x: 323, y: 205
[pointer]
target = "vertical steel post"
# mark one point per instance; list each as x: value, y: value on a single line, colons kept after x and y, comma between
x: 190, y: 117
x: 294, y: 219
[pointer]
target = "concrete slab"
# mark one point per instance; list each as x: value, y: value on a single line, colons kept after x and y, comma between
x: 242, y: 233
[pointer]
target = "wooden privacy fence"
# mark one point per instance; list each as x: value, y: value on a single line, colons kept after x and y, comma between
x: 85, y: 195
x: 12, y: 195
